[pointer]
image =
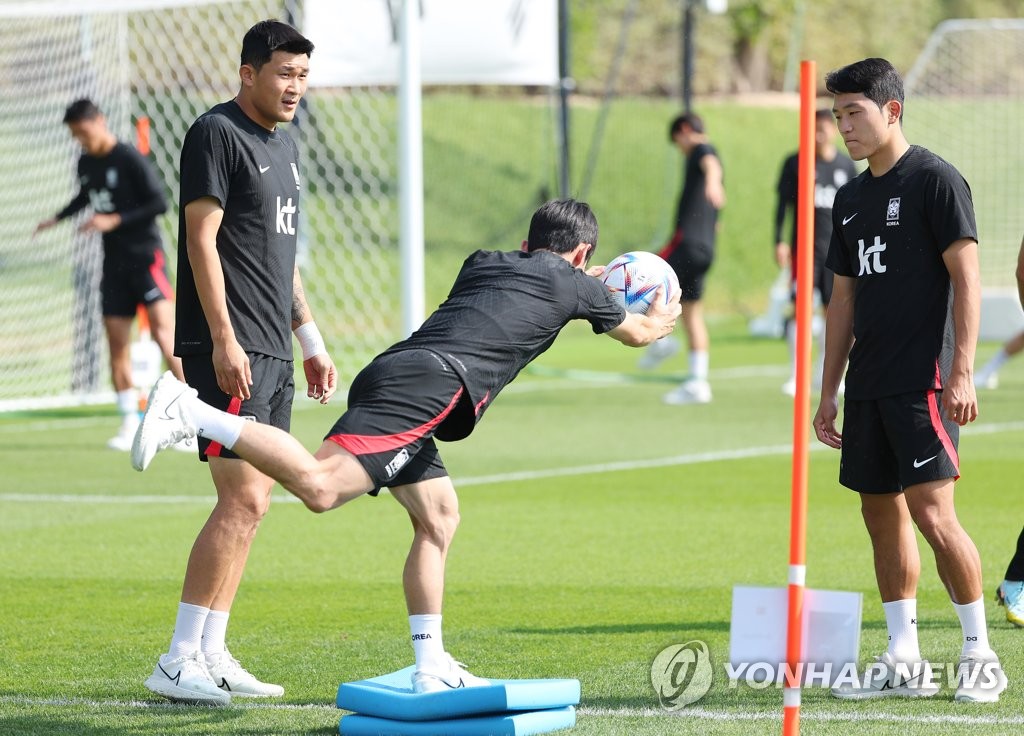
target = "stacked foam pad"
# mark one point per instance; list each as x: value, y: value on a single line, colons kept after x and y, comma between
x: 387, y: 706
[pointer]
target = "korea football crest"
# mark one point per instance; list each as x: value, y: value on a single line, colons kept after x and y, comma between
x: 892, y: 212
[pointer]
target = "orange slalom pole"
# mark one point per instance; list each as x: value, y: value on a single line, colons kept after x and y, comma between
x: 801, y: 404
x: 142, y: 135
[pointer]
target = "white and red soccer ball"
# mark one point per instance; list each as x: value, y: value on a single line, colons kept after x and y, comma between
x: 634, y: 277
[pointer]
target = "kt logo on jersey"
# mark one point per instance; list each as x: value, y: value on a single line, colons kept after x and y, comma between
x: 285, y: 216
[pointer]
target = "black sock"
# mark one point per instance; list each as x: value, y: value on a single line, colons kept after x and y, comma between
x: 1016, y: 569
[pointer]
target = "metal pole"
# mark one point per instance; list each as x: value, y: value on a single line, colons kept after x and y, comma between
x: 410, y: 169
x: 689, y: 21
x: 566, y: 84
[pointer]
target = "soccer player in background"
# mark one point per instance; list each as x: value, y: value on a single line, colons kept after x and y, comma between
x: 988, y: 376
x: 126, y: 197
x: 240, y: 296
x: 690, y: 252
x: 504, y: 309
x: 905, y: 311
x: 832, y: 169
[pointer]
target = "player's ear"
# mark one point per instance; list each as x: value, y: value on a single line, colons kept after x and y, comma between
x: 895, y: 110
x: 247, y: 73
x: 581, y: 255
x: 525, y: 247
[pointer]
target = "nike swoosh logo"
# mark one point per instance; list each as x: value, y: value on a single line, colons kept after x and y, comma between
x: 919, y: 463
x: 224, y: 684
x: 172, y: 679
x: 847, y: 219
x: 167, y: 417
x: 267, y: 168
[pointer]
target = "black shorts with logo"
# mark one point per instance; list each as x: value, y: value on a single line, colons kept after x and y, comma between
x: 270, y: 400
x: 133, y: 280
x: 396, y: 405
x: 898, y: 441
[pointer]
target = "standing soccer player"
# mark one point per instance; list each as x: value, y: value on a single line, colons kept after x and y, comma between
x: 905, y: 311
x: 832, y: 170
x: 690, y: 252
x: 239, y: 297
x: 126, y: 197
x: 504, y: 309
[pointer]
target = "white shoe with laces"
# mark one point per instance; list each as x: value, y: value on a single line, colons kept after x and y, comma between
x: 980, y: 678
x: 450, y: 675
x: 1010, y: 593
x: 661, y: 349
x: 165, y: 422
x: 233, y: 678
x: 185, y: 679
x: 888, y: 679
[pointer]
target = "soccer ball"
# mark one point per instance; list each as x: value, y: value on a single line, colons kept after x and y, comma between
x: 634, y: 277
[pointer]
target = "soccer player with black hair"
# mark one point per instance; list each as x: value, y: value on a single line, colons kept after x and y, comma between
x: 904, y: 311
x: 125, y: 196
x: 240, y: 297
x: 504, y: 309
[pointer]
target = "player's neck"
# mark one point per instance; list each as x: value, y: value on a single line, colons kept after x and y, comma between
x: 253, y: 114
x: 105, y: 146
x: 886, y: 156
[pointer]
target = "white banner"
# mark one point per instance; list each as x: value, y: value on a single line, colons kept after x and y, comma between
x: 463, y: 41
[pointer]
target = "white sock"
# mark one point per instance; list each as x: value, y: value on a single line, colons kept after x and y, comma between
x: 188, y: 629
x: 214, y: 424
x: 972, y: 621
x: 128, y: 405
x: 426, y: 640
x: 992, y: 366
x: 901, y: 621
x: 699, y: 360
x: 791, y: 344
x: 214, y: 631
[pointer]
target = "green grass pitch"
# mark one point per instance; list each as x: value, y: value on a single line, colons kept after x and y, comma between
x: 569, y: 569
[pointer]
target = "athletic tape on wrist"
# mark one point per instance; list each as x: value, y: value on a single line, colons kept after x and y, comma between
x: 310, y: 340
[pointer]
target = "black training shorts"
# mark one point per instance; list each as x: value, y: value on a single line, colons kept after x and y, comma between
x: 899, y: 441
x: 395, y: 406
x: 133, y: 280
x: 691, y: 261
x: 270, y: 401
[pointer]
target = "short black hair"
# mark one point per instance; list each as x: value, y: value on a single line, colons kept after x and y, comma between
x: 561, y: 225
x: 690, y: 119
x: 876, y: 79
x: 79, y: 110
x: 266, y: 37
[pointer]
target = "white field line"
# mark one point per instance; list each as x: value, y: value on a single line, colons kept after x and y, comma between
x: 585, y: 711
x: 484, y: 480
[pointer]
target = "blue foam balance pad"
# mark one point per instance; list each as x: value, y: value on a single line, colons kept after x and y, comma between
x: 391, y: 696
x: 496, y: 724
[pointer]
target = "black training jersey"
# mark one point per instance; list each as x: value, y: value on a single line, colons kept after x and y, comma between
x: 889, y: 234
x: 253, y: 173
x: 696, y: 217
x: 829, y: 177
x: 505, y: 309
x: 121, y: 182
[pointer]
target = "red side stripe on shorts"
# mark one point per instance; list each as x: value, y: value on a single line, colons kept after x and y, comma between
x: 234, y: 407
x: 156, y: 270
x: 677, y: 238
x: 940, y: 430
x: 359, y: 444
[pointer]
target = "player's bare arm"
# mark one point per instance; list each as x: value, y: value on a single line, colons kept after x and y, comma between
x: 1020, y: 272
x: 321, y: 374
x: 638, y: 330
x: 101, y: 222
x: 203, y: 218
x: 714, y: 188
x: 838, y: 342
x: 959, y: 399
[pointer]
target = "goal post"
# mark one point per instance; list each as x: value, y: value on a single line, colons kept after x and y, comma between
x: 965, y: 102
x: 170, y: 61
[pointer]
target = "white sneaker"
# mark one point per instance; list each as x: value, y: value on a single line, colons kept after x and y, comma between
x: 789, y: 387
x: 186, y: 680
x: 887, y: 679
x: 122, y: 441
x: 165, y: 422
x: 690, y: 391
x: 188, y: 444
x: 231, y: 677
x: 986, y: 380
x: 452, y: 675
x: 659, y: 350
x: 980, y: 678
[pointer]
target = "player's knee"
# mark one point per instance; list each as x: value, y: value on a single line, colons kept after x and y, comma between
x: 439, y: 525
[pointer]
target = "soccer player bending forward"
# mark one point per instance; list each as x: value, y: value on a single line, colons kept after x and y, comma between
x: 905, y: 309
x: 504, y: 309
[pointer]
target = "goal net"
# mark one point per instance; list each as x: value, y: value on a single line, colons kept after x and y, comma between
x: 170, y: 61
x: 965, y: 102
